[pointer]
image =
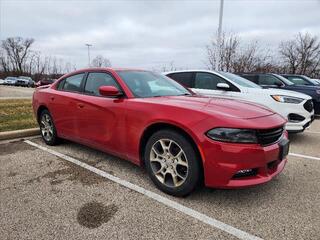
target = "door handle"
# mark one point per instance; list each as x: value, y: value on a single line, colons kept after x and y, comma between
x: 80, y: 105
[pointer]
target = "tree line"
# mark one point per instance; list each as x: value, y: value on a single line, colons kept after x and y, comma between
x: 18, y: 58
x: 299, y: 55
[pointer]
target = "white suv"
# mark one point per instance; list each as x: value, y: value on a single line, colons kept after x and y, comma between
x: 296, y: 107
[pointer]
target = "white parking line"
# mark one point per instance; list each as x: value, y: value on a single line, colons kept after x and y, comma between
x: 304, y: 156
x: 166, y: 201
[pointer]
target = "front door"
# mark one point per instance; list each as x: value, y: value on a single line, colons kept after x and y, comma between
x: 99, y: 119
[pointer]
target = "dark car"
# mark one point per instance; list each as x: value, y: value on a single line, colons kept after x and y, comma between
x: 301, y: 80
x: 271, y: 80
x: 43, y: 82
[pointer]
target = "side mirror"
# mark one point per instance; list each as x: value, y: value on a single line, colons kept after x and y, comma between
x: 223, y: 86
x: 109, y: 91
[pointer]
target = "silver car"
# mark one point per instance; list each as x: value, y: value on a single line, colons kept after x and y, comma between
x: 10, y: 81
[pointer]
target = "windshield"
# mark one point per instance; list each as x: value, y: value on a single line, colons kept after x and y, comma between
x: 315, y: 81
x: 239, y: 80
x: 149, y: 84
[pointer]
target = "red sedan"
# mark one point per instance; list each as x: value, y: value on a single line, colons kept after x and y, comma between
x: 151, y: 120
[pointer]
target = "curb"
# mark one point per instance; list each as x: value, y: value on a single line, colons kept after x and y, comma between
x: 19, y: 133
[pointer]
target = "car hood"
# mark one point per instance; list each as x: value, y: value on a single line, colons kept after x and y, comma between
x: 215, y: 106
x: 274, y: 91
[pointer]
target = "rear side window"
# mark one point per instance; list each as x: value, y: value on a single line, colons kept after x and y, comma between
x: 207, y: 81
x: 183, y: 78
x: 269, y: 80
x: 96, y: 80
x: 73, y: 83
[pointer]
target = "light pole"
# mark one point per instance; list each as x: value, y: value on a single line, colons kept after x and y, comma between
x: 219, y: 35
x: 89, y: 45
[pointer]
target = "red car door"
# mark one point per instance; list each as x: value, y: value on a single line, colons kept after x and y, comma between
x: 100, y: 120
x: 63, y: 105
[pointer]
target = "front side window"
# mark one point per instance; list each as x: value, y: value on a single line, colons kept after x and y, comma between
x: 96, y: 80
x: 73, y: 83
x: 269, y: 80
x: 149, y: 84
x: 207, y: 81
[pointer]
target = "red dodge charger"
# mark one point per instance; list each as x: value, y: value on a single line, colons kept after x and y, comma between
x: 182, y: 139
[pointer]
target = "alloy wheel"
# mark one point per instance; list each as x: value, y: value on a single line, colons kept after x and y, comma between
x: 169, y: 163
x: 46, y: 127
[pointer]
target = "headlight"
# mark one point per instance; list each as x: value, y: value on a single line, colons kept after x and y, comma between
x: 287, y: 99
x: 233, y: 135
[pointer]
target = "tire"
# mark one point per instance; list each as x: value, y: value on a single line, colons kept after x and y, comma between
x: 175, y: 170
x: 47, y: 128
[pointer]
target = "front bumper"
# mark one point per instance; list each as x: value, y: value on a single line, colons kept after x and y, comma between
x: 296, y: 127
x: 222, y: 162
x: 316, y: 105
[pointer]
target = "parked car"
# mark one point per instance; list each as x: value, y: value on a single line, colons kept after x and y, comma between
x: 44, y: 82
x: 296, y: 107
x: 269, y: 80
x: 1, y: 81
x: 154, y: 121
x: 300, y: 80
x: 25, y: 81
x: 10, y: 81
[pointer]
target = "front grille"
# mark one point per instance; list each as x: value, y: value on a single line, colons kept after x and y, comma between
x: 308, y: 105
x: 269, y: 136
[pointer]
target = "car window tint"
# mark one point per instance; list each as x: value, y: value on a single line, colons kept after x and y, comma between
x: 184, y: 78
x: 73, y: 83
x: 269, y: 80
x: 207, y: 81
x: 299, y: 81
x: 96, y: 80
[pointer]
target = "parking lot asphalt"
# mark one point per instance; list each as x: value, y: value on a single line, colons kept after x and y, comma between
x: 42, y: 196
x: 12, y: 92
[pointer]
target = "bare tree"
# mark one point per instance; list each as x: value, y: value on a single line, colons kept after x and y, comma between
x: 169, y: 68
x: 235, y: 56
x: 301, y: 55
x: 100, y: 61
x: 227, y: 50
x: 17, y: 49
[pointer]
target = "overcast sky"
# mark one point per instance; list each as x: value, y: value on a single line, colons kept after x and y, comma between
x: 150, y: 34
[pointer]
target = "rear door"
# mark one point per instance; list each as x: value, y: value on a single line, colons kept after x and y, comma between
x: 63, y: 105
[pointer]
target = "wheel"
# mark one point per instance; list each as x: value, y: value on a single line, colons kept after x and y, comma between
x: 47, y: 128
x: 172, y: 163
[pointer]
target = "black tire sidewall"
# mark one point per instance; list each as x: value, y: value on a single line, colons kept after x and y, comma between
x: 193, y: 161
